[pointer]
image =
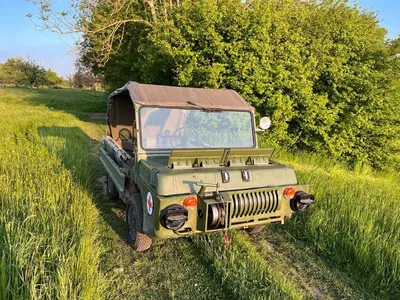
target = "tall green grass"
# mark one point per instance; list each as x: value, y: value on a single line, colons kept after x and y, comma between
x: 48, y: 221
x: 355, y: 221
x: 49, y: 231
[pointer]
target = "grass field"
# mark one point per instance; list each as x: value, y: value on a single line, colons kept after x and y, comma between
x: 61, y: 238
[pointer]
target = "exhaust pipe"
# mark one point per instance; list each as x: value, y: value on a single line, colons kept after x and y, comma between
x: 301, y: 201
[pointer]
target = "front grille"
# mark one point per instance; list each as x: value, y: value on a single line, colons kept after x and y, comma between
x: 254, y: 203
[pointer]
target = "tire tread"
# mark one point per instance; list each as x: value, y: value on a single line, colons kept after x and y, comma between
x: 143, y: 241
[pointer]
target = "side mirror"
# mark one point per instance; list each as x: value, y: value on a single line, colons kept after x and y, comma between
x: 265, y: 123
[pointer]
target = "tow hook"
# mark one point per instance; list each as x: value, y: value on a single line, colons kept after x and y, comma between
x: 301, y: 201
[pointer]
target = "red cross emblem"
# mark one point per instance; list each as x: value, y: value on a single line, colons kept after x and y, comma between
x: 149, y: 203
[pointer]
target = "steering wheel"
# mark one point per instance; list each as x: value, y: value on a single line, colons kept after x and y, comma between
x: 189, y: 134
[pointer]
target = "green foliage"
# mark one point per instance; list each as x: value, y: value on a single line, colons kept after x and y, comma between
x: 11, y: 72
x: 52, y: 78
x: 20, y: 72
x: 34, y: 74
x: 321, y: 70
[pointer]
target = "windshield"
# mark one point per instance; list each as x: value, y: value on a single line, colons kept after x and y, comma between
x: 171, y: 128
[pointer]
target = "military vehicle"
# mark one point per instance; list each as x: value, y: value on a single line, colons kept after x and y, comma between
x: 186, y: 162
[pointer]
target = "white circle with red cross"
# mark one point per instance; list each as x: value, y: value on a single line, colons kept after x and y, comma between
x: 149, y: 204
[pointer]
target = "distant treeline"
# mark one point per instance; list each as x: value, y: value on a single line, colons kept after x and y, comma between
x: 323, y: 71
x: 27, y: 72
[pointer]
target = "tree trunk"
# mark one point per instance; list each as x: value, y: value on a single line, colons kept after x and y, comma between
x: 165, y: 11
x: 150, y: 3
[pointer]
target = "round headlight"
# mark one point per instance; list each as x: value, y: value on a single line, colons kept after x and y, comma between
x: 173, y: 217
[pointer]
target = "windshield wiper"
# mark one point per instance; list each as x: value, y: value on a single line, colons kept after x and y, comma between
x: 204, y: 108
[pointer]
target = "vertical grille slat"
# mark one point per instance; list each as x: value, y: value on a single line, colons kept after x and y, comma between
x: 242, y: 205
x: 277, y: 200
x: 234, y: 204
x: 247, y: 205
x: 268, y: 202
x: 259, y: 203
x: 272, y: 201
x: 265, y: 201
x: 254, y: 203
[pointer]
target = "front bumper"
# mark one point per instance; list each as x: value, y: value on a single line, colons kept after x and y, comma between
x: 238, y: 209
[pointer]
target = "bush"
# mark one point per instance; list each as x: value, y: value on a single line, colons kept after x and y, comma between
x: 322, y: 71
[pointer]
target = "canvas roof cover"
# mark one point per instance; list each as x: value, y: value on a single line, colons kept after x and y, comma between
x: 182, y: 97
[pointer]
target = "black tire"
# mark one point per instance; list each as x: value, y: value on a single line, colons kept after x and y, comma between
x: 138, y: 240
x: 111, y: 188
x: 254, y: 230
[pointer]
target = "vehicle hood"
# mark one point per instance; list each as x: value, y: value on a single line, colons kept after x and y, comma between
x: 167, y: 181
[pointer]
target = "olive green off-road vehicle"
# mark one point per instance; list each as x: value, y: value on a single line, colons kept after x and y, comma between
x: 186, y: 161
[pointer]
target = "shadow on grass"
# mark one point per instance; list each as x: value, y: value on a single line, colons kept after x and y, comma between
x: 79, y: 155
x: 181, y: 259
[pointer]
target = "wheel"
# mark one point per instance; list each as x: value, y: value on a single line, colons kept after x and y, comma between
x: 138, y: 240
x: 112, y: 191
x: 254, y: 230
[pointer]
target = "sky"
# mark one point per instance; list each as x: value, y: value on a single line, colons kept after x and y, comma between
x: 18, y: 36
x: 388, y: 14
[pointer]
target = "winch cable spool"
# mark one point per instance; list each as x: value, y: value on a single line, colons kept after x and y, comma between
x: 214, y: 215
x: 219, y: 215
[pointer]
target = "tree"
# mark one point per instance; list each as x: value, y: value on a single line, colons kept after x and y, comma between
x: 85, y: 78
x: 394, y: 102
x: 3, y: 75
x: 11, y: 71
x: 322, y: 70
x: 27, y: 72
x: 52, y: 78
x: 102, y: 23
x: 70, y: 80
x: 34, y: 75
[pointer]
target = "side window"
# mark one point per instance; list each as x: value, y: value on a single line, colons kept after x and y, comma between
x: 153, y: 121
